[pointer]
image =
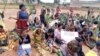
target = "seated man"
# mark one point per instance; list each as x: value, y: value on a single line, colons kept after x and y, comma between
x: 85, y: 34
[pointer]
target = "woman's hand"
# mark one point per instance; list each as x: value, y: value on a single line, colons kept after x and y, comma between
x: 12, y: 18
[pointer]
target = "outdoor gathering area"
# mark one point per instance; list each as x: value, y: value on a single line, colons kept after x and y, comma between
x: 49, y: 28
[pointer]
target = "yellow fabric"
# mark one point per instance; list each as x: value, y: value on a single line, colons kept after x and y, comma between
x: 91, y: 53
x: 3, y: 35
x: 37, y: 38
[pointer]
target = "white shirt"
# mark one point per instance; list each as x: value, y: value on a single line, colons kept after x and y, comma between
x: 57, y: 33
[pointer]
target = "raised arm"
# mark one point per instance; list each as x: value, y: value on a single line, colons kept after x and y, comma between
x: 14, y: 17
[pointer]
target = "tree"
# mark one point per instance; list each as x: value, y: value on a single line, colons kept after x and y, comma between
x: 56, y: 1
x: 16, y: 1
x: 5, y: 1
x: 39, y: 1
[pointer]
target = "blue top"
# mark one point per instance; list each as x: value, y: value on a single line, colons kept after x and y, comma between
x: 23, y: 15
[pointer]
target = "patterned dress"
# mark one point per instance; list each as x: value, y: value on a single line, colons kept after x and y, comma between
x: 22, y: 21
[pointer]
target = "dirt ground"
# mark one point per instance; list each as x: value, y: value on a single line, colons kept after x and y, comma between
x: 10, y: 24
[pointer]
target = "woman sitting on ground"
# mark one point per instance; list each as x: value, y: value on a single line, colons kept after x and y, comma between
x: 49, y: 36
x: 24, y: 47
x: 38, y: 37
x: 37, y: 23
x: 57, y: 34
x: 39, y: 42
x: 72, y: 48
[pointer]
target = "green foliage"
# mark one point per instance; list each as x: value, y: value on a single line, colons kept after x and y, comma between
x: 60, y: 53
x: 63, y: 18
x: 56, y: 1
x: 14, y: 35
x: 5, y: 1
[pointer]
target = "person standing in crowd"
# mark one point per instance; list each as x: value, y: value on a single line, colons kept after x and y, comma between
x: 22, y: 19
x: 90, y: 14
x: 58, y: 10
x: 57, y: 15
x: 24, y: 47
x: 32, y: 12
x: 42, y: 17
x: 52, y: 13
x: 43, y: 8
x: 48, y: 16
x: 71, y: 12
